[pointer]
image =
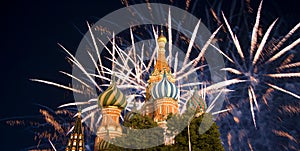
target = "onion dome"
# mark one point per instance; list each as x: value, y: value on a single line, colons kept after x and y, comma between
x: 165, y: 89
x: 104, y: 143
x: 162, y: 38
x: 132, y: 113
x: 112, y: 96
x: 196, y: 102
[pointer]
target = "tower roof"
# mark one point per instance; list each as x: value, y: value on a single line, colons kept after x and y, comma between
x: 112, y: 96
x: 165, y: 89
x: 161, y: 61
x: 196, y: 102
x: 161, y: 37
x: 76, y: 141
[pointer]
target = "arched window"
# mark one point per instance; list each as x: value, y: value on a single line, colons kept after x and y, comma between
x: 74, y: 143
x: 75, y: 136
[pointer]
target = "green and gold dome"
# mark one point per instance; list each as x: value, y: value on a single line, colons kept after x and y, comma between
x: 112, y: 97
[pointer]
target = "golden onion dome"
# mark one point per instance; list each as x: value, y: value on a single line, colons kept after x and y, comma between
x: 162, y: 38
x: 112, y: 96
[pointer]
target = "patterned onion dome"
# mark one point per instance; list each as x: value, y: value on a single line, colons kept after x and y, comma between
x: 112, y: 96
x: 165, y: 89
x: 196, y: 102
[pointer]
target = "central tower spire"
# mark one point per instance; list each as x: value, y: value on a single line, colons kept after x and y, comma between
x: 161, y: 62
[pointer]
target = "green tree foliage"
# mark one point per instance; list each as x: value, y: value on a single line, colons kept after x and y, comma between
x: 204, y: 133
x: 206, y: 138
x: 136, y: 137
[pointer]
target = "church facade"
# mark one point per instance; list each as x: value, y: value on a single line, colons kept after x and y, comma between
x: 162, y: 99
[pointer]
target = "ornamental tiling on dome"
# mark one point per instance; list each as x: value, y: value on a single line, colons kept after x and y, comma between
x: 112, y: 97
x: 112, y: 101
x: 197, y: 103
x: 164, y: 89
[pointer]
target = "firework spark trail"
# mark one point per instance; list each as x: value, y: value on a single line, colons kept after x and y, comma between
x: 249, y: 145
x: 77, y: 63
x: 222, y: 52
x: 155, y: 50
x: 235, y: 41
x: 215, y: 16
x: 133, y: 46
x: 170, y: 36
x: 96, y: 47
x: 77, y: 79
x: 189, y: 72
x: 287, y: 66
x: 195, y: 61
x: 229, y: 137
x: 283, y: 75
x: 211, y: 106
x: 191, y: 43
x: 251, y: 106
x: 57, y: 85
x: 254, y: 97
x: 53, y: 147
x: 75, y: 103
x: 284, y: 50
x: 235, y: 71
x: 283, y: 90
x: 122, y: 76
x: 50, y: 119
x: 190, y: 84
x: 255, y: 31
x: 223, y: 84
x: 284, y: 134
x: 95, y: 63
x: 263, y: 42
x: 204, y: 48
x: 286, y: 37
x: 291, y: 109
x: 221, y: 111
x: 175, y: 65
x: 90, y: 108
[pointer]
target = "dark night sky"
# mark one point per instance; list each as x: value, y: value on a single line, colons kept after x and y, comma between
x: 30, y: 31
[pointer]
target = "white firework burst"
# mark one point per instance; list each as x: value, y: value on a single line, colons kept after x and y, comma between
x: 255, y: 66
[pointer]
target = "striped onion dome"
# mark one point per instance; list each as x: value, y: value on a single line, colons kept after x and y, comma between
x: 165, y: 89
x: 103, y: 145
x: 112, y: 96
x: 196, y: 102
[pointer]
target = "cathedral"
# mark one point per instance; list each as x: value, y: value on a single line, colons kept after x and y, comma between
x: 162, y: 99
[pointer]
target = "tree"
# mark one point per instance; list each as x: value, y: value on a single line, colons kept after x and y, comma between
x: 136, y: 137
x: 208, y: 140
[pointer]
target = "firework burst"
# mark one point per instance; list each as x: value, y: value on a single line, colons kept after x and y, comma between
x: 264, y: 63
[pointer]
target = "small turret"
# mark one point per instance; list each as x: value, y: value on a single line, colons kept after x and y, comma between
x: 76, y: 141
